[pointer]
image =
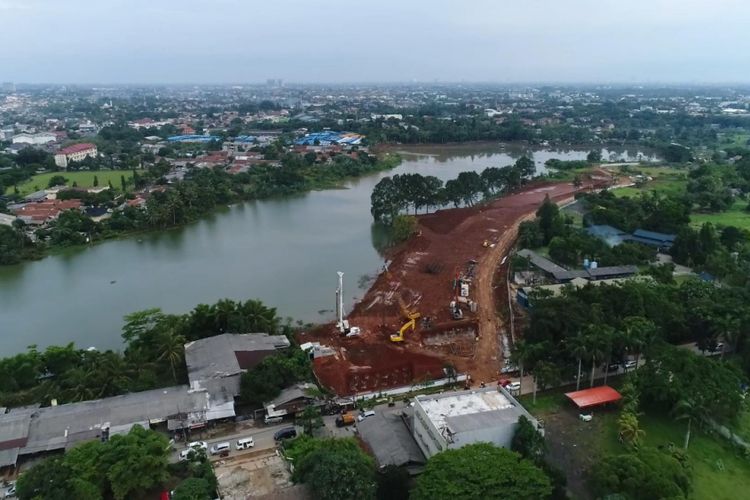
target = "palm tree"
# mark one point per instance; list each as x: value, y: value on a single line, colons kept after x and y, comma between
x: 595, y: 348
x: 170, y: 346
x: 630, y: 432
x: 610, y: 338
x: 259, y: 317
x: 687, y: 409
x: 578, y: 347
x: 637, y: 332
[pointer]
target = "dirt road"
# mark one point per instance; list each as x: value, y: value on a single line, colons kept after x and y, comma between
x: 463, y: 245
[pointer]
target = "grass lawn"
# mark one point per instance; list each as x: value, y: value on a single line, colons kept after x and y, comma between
x: 718, y: 471
x: 735, y: 216
x: 84, y: 180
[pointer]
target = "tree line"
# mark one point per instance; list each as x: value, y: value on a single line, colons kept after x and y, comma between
x: 153, y: 355
x: 132, y: 465
x: 402, y: 192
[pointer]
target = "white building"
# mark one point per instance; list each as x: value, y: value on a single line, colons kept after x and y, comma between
x: 455, y: 419
x: 76, y: 152
x: 35, y: 139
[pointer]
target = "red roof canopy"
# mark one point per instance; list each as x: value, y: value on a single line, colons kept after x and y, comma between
x: 594, y: 397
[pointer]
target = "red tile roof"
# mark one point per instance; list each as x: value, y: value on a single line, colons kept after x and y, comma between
x: 76, y: 148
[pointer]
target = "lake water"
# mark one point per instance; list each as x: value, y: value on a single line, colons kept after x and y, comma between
x: 285, y: 252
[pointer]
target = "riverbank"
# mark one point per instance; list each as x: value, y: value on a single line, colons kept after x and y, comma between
x: 284, y: 251
x: 104, y: 231
x: 421, y: 282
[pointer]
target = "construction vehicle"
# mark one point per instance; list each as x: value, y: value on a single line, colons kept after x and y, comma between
x: 412, y: 316
x: 456, y: 312
x: 341, y: 323
x: 345, y: 419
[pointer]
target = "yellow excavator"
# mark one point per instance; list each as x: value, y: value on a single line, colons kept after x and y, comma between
x: 411, y: 324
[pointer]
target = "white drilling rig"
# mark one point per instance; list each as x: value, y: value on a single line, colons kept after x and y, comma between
x: 341, y: 323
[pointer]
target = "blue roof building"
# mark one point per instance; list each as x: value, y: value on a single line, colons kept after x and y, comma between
x: 192, y: 138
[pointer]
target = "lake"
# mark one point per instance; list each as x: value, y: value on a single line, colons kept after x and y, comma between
x: 285, y: 252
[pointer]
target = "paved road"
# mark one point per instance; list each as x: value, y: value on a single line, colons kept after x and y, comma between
x: 263, y: 437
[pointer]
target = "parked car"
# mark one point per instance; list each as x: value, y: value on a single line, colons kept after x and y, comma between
x: 198, y: 444
x: 245, y: 443
x: 513, y: 387
x: 185, y: 454
x: 285, y: 433
x: 613, y: 367
x: 631, y: 364
x: 503, y: 382
x: 586, y: 417
x: 220, y: 448
x: 365, y: 414
x: 11, y: 492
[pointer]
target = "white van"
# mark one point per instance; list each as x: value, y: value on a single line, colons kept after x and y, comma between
x: 364, y: 415
x: 244, y: 443
x: 220, y: 447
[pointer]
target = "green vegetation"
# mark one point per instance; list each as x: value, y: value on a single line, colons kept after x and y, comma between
x: 82, y: 179
x: 129, y: 465
x: 481, y: 471
x: 736, y: 215
x: 392, y: 196
x: 333, y: 468
x: 265, y: 381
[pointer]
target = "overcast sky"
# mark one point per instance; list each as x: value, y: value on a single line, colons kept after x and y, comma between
x: 245, y: 41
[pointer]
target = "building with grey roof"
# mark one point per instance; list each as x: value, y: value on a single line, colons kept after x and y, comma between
x: 389, y: 438
x: 32, y: 431
x: 455, y: 419
x: 216, y: 363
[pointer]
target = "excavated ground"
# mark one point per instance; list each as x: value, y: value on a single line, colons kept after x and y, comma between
x: 421, y: 275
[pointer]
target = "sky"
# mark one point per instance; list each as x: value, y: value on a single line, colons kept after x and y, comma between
x: 336, y: 41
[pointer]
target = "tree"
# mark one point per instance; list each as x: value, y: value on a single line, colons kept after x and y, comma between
x: 386, y: 201
x: 646, y: 473
x: 311, y: 419
x: 96, y: 181
x: 57, y: 180
x: 53, y: 479
x: 192, y: 488
x: 481, y: 471
x: 594, y: 156
x: 337, y: 469
x: 688, y: 409
x: 404, y: 226
x: 578, y: 347
x: 551, y: 222
x: 393, y: 483
x: 629, y: 430
x: 528, y: 441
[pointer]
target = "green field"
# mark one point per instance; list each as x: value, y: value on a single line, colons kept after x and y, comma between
x: 665, y: 179
x: 84, y: 180
x: 719, y: 472
x: 735, y: 216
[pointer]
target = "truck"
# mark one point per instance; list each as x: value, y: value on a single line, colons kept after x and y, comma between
x: 347, y: 418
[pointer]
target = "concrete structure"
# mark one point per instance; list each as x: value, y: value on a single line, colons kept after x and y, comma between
x: 216, y: 363
x: 455, y: 419
x: 34, y: 139
x: 76, y: 152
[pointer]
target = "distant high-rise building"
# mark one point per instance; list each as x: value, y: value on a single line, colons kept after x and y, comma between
x: 9, y: 87
x: 275, y: 82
